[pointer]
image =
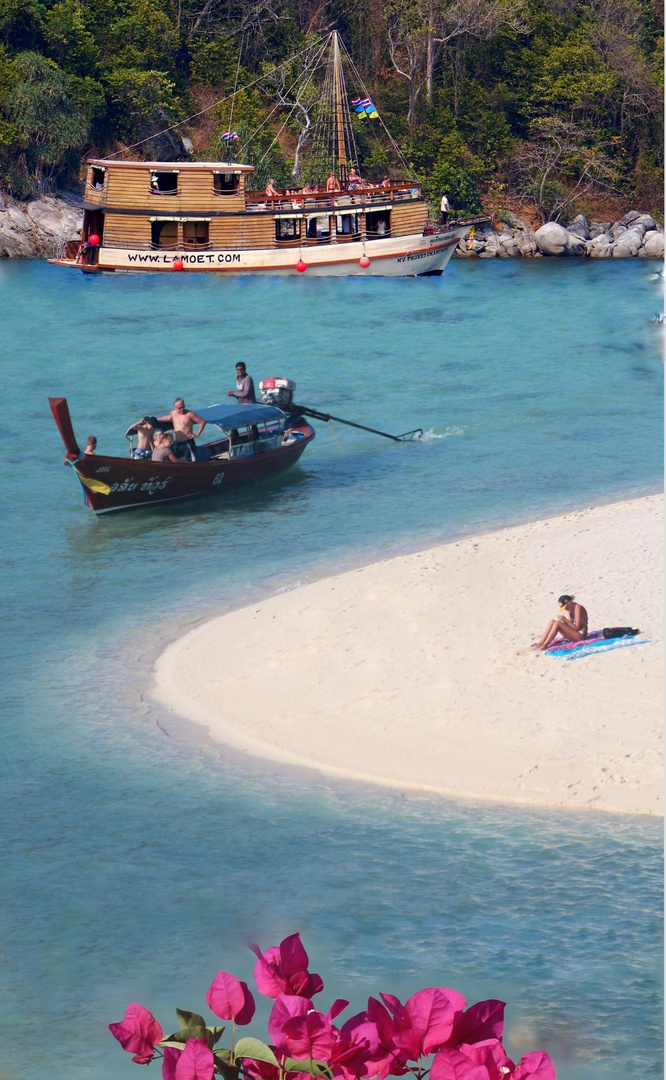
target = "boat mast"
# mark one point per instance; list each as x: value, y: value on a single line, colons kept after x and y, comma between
x: 340, y: 131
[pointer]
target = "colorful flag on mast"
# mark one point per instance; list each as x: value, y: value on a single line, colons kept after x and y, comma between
x: 364, y: 107
x: 228, y: 135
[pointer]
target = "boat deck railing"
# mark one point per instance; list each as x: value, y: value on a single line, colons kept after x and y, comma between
x: 334, y: 200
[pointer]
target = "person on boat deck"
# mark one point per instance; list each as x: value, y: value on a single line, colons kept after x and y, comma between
x: 271, y: 190
x: 144, y: 429
x: 244, y: 392
x: 386, y: 182
x: 183, y: 421
x: 164, y: 448
x: 332, y: 184
x: 570, y: 622
x: 91, y: 446
x: 444, y: 210
x: 353, y: 178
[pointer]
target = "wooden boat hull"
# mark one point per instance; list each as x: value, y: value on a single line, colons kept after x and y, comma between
x: 116, y: 483
x: 394, y: 257
x: 135, y: 483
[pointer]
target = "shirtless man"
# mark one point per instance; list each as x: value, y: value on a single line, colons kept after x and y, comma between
x: 183, y: 421
x: 332, y: 184
x: 144, y: 430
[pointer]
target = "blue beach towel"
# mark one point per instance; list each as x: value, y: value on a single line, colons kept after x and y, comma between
x: 598, y: 645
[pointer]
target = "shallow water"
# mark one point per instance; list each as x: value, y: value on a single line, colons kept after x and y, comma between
x: 137, y: 864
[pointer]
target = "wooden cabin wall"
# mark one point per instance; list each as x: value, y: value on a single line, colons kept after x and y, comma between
x: 126, y: 231
x: 408, y: 218
x: 243, y: 232
x: 130, y: 189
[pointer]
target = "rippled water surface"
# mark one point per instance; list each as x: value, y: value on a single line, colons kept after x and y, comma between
x: 139, y: 859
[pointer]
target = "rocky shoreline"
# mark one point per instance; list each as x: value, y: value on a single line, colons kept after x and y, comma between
x: 38, y: 230
x: 635, y: 235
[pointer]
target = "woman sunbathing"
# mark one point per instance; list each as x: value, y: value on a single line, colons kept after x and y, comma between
x: 570, y: 622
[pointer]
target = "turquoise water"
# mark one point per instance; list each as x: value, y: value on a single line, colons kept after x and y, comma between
x: 139, y: 859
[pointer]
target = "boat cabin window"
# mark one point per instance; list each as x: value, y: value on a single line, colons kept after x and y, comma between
x: 225, y: 183
x: 378, y: 224
x: 164, y: 183
x: 318, y: 228
x: 97, y: 178
x: 348, y: 224
x: 164, y: 234
x: 287, y: 229
x: 195, y: 234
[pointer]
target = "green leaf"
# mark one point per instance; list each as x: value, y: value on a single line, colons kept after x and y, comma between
x: 192, y: 1025
x: 314, y: 1068
x: 255, y: 1048
x: 179, y: 1038
x: 223, y: 1065
x: 214, y: 1035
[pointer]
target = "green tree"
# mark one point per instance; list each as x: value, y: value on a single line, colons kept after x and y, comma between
x: 51, y: 130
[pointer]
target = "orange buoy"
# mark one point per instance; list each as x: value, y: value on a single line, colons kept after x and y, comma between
x: 364, y: 262
x: 300, y: 266
x: 178, y: 264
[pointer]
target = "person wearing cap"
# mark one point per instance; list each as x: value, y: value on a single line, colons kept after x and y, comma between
x: 570, y: 622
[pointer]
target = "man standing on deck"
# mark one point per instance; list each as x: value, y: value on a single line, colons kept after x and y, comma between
x: 444, y: 210
x: 244, y: 392
x: 183, y: 421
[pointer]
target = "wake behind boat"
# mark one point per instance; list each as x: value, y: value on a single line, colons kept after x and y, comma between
x: 254, y: 441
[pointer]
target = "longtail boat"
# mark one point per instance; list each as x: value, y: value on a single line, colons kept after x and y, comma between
x: 204, y: 216
x: 254, y: 442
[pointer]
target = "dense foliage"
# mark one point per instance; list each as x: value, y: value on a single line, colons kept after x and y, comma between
x: 543, y: 103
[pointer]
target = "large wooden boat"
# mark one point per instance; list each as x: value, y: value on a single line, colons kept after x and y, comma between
x: 204, y: 216
x: 254, y: 442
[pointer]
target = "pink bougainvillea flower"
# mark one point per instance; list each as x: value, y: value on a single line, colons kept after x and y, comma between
x: 230, y: 999
x: 537, y: 1066
x: 285, y: 1008
x: 486, y: 1060
x: 169, y: 1062
x: 484, y: 1020
x: 283, y: 969
x: 427, y: 1021
x: 138, y: 1033
x: 196, y: 1062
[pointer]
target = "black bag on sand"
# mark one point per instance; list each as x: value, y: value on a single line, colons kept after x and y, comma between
x: 619, y: 631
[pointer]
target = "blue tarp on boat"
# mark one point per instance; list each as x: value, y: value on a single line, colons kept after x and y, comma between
x: 234, y: 416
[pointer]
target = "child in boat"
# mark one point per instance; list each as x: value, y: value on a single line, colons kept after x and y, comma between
x: 164, y: 449
x: 91, y: 446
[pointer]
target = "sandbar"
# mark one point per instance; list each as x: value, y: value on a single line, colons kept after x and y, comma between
x: 416, y: 672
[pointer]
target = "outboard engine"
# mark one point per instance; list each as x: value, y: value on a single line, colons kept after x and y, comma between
x: 278, y: 392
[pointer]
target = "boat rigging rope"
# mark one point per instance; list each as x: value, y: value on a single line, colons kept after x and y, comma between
x: 202, y: 112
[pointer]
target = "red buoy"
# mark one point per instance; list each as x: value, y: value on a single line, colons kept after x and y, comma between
x: 178, y: 264
x: 364, y: 261
x: 300, y: 266
x: 93, y: 239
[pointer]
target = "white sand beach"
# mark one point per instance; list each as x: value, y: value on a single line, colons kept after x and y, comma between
x: 416, y: 672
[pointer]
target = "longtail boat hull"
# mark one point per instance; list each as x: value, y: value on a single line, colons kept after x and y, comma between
x: 116, y: 483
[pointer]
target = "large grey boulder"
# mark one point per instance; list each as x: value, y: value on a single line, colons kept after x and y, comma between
x: 646, y: 221
x: 508, y: 247
x: 579, y: 227
x: 491, y: 247
x: 600, y: 247
x: 526, y: 242
x: 554, y: 239
x: 40, y: 229
x: 653, y: 245
x: 600, y: 228
x: 628, y: 243
x: 629, y: 218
